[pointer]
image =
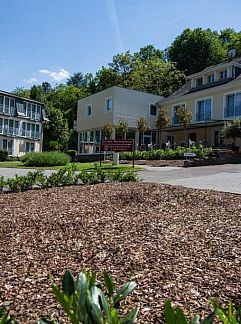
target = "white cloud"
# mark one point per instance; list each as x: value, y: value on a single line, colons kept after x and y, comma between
x: 31, y: 80
x: 112, y: 12
x: 3, y: 61
x: 57, y: 76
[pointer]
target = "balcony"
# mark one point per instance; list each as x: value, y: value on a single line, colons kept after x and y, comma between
x: 203, y: 116
x: 232, y: 111
x: 6, y: 110
x: 9, y: 131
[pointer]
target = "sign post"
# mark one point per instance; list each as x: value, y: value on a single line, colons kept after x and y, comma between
x: 117, y: 146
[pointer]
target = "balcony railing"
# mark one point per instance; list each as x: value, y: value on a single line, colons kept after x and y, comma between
x: 175, y: 120
x: 12, y: 131
x: 203, y: 116
x: 232, y: 111
x: 6, y: 110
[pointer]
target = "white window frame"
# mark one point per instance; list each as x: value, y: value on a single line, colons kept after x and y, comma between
x: 87, y: 112
x: 223, y: 71
x: 196, y: 108
x: 212, y: 75
x: 106, y: 100
x: 224, y: 102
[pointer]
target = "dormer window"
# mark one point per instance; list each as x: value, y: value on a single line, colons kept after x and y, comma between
x: 199, y: 82
x: 223, y: 74
x: 211, y: 78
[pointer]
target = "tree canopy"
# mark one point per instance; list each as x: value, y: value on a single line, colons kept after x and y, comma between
x: 196, y: 49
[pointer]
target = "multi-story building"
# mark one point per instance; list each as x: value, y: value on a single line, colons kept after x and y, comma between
x: 214, y: 97
x: 21, y: 122
x: 111, y: 106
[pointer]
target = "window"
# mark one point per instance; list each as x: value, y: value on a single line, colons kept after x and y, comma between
x: 153, y: 110
x: 199, y: 82
x: 233, y: 105
x: 88, y: 110
x: 204, y: 109
x: 29, y: 147
x: 108, y: 104
x: 211, y: 78
x: 223, y: 74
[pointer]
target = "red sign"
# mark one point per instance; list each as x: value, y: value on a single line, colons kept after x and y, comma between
x: 117, y: 145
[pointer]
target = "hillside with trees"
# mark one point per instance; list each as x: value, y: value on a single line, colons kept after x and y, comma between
x: 158, y: 71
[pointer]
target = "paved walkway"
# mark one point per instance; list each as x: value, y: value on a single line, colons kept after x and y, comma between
x: 219, y: 177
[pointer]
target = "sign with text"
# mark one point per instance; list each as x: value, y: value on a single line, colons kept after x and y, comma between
x: 117, y: 145
x: 190, y: 154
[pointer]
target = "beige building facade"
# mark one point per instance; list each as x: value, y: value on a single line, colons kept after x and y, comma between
x: 111, y: 106
x: 21, y: 124
x: 214, y: 97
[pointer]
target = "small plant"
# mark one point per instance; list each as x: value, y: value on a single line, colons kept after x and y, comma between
x: 84, y: 301
x: 5, y: 318
x: 175, y: 315
x: 2, y: 183
x: 231, y: 315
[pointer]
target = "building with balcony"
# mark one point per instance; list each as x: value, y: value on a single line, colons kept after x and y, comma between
x: 214, y: 97
x: 111, y: 106
x: 21, y: 124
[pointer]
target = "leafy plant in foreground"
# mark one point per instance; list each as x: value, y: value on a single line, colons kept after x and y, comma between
x: 84, y: 301
x: 175, y: 315
x: 5, y: 318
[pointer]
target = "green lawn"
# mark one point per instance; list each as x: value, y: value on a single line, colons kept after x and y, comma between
x: 80, y: 166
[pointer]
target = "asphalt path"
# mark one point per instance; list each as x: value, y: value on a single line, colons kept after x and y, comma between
x: 225, y: 178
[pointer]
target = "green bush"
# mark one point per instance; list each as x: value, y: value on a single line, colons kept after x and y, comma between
x: 166, y: 154
x: 3, y: 155
x: 54, y: 158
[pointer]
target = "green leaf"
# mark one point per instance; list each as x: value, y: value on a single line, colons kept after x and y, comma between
x: 109, y: 283
x: 68, y: 283
x: 114, y: 316
x: 131, y: 316
x: 195, y: 319
x: 44, y: 321
x: 105, y: 305
x: 124, y: 291
x: 209, y: 319
x: 169, y: 313
x: 181, y: 319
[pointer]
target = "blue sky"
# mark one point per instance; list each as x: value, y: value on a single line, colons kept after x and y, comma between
x: 48, y: 40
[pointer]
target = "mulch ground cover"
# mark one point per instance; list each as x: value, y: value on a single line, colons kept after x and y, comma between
x: 177, y: 243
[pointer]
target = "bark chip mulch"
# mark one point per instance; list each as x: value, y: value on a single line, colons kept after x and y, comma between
x: 177, y: 243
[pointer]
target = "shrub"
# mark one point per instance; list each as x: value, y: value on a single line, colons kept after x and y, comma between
x: 54, y: 158
x: 168, y: 154
x: 3, y: 155
x: 72, y: 154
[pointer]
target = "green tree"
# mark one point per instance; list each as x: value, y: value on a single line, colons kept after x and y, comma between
x: 22, y: 92
x: 184, y: 116
x: 37, y: 93
x: 232, y: 130
x: 148, y: 52
x: 106, y: 78
x: 155, y: 76
x: 56, y: 131
x: 161, y: 122
x: 122, y: 128
x: 142, y: 127
x: 196, y: 49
